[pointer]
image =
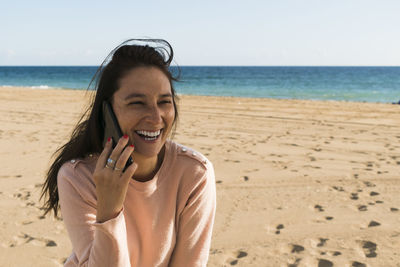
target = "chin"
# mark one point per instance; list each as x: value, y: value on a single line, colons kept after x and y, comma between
x: 147, y: 147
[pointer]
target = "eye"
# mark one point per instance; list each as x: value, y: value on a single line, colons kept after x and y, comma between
x: 165, y: 102
x: 136, y: 103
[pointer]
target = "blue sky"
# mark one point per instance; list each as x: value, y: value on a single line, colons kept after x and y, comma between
x: 281, y: 32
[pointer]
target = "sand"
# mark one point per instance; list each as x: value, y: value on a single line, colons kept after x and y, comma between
x: 299, y: 183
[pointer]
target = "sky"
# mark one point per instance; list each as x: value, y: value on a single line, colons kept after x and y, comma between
x: 219, y: 32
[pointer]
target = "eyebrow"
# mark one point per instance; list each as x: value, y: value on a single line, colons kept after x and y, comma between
x: 143, y: 95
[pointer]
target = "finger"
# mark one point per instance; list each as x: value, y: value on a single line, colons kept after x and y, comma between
x: 115, y: 154
x: 123, y: 158
x: 101, y: 162
x: 128, y: 173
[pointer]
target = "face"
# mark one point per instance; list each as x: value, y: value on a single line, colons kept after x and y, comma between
x: 144, y: 108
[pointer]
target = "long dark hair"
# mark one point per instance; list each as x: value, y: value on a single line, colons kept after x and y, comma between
x: 87, y: 136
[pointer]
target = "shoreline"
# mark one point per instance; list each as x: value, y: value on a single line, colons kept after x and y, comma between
x: 7, y: 87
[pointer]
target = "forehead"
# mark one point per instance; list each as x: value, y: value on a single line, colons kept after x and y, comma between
x: 147, y: 81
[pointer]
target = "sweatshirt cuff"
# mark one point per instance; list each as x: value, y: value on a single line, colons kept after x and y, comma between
x: 114, y: 227
x: 111, y: 241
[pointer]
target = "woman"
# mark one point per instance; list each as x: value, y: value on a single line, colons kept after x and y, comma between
x: 160, y: 210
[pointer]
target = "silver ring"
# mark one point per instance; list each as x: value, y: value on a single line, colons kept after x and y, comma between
x: 107, y: 166
x: 117, y: 169
x: 111, y: 162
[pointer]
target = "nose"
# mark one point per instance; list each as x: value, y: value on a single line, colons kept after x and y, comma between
x: 154, y: 115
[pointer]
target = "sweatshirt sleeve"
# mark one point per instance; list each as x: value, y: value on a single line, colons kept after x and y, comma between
x: 196, y: 224
x: 93, y: 244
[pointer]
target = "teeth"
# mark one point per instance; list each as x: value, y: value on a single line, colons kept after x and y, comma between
x: 150, y: 134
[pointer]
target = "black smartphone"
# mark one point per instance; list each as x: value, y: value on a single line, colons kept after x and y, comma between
x: 111, y: 128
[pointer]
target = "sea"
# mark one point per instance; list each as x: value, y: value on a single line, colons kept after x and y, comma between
x: 360, y: 84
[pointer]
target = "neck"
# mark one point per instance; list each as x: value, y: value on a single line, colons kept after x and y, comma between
x: 147, y: 167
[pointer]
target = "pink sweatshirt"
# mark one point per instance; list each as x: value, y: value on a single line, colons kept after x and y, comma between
x: 166, y: 221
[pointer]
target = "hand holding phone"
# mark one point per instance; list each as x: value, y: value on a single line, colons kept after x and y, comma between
x: 112, y: 128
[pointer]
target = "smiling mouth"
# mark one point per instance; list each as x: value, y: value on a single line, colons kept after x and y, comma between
x: 149, y: 135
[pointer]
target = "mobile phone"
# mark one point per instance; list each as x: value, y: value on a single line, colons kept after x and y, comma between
x: 112, y: 128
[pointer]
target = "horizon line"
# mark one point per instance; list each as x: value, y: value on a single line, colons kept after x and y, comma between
x: 213, y: 66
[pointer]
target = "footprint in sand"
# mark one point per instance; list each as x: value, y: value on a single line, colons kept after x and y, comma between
x: 23, y: 195
x: 322, y: 242
x: 26, y: 238
x: 362, y: 208
x: 354, y: 196
x: 50, y: 243
x: 295, y: 263
x: 334, y: 253
x: 11, y: 176
x: 369, y: 249
x: 324, y: 263
x: 215, y: 251
x: 296, y: 248
x: 30, y: 204
x: 369, y: 184
x: 234, y: 161
x: 357, y: 264
x: 319, y: 208
x: 338, y: 188
x: 278, y: 228
x: 23, y: 223
x: 373, y: 224
x: 239, y: 254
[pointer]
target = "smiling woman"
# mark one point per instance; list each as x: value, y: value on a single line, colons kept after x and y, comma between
x: 158, y: 211
x: 145, y: 111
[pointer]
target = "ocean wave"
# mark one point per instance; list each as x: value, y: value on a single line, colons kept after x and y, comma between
x: 41, y: 87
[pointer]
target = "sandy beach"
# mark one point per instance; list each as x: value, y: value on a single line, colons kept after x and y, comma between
x: 299, y: 183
